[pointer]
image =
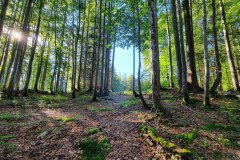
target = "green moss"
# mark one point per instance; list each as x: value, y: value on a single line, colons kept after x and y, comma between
x: 160, y: 140
x: 66, y: 119
x: 188, y: 137
x: 93, y: 150
x: 10, y: 116
x: 92, y: 131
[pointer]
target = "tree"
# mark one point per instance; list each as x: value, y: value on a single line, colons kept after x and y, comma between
x: 228, y: 48
x: 2, y: 14
x: 29, y: 72
x: 152, y: 7
x: 206, y: 61
x: 191, y: 63
x: 216, y: 50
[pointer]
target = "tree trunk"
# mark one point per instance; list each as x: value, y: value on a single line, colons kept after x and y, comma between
x: 3, y: 14
x: 206, y: 101
x: 20, y: 49
x: 94, y: 51
x: 216, y: 51
x: 94, y: 97
x: 139, y: 60
x: 152, y: 7
x: 191, y: 64
x: 103, y: 49
x: 33, y: 50
x: 169, y: 47
x: 185, y: 92
x: 39, y: 68
x: 177, y: 44
x: 228, y: 48
x: 113, y: 60
x: 86, y: 51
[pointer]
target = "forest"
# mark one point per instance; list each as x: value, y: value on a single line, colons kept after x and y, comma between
x: 62, y: 97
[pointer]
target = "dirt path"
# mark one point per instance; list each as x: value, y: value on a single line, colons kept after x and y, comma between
x: 59, y: 139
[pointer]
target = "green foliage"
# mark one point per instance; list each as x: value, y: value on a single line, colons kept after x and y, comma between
x: 92, y: 130
x: 129, y: 102
x: 220, y: 127
x: 5, y: 144
x: 224, y: 141
x: 93, y: 150
x: 104, y: 109
x: 66, y: 119
x: 188, y: 137
x: 10, y: 116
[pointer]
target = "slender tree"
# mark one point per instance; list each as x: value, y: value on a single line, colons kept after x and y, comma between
x: 206, y: 101
x: 228, y: 48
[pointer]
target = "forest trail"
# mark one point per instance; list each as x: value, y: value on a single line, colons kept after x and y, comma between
x: 49, y: 133
x: 54, y: 127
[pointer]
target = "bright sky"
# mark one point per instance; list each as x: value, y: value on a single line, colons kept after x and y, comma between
x: 124, y: 61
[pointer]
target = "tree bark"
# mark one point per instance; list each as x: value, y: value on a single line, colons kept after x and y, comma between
x: 228, y: 48
x: 216, y: 51
x: 191, y: 63
x: 152, y: 7
x: 3, y: 14
x: 139, y: 59
x: 185, y: 92
x: 177, y: 44
x: 94, y: 97
x: 169, y: 47
x: 206, y: 101
x: 33, y: 50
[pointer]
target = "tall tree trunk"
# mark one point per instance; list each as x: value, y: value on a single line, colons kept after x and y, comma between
x: 139, y: 59
x: 103, y: 48
x: 133, y: 77
x: 113, y: 60
x: 228, y: 48
x: 206, y: 101
x: 39, y: 68
x: 216, y: 51
x: 20, y: 49
x: 81, y: 52
x: 152, y: 7
x: 86, y: 51
x: 94, y: 51
x: 44, y: 75
x: 10, y: 64
x: 94, y: 97
x: 177, y: 44
x: 3, y: 14
x: 33, y: 50
x: 191, y: 64
x: 185, y: 92
x: 169, y: 47
x: 5, y: 59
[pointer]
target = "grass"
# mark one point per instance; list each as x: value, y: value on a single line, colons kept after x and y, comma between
x: 5, y: 144
x: 188, y: 137
x: 104, y: 109
x: 93, y: 150
x: 129, y: 102
x: 220, y: 127
x: 92, y: 130
x: 10, y: 116
x: 68, y: 119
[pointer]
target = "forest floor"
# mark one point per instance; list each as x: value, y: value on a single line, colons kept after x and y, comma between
x: 118, y: 128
